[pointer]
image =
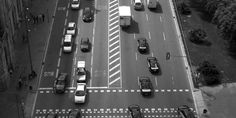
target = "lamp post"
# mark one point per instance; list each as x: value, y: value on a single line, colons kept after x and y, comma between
x: 27, y: 30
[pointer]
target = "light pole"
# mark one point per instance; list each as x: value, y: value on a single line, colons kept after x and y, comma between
x: 27, y: 30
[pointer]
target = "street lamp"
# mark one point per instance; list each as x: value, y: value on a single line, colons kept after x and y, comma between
x: 33, y: 73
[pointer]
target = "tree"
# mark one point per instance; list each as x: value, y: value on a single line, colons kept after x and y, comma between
x: 209, y: 72
x: 197, y: 35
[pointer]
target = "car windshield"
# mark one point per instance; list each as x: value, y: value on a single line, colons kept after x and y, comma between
x: 80, y: 70
x: 87, y: 12
x: 80, y: 93
x: 70, y: 28
x: 75, y: 2
x: 138, y: 4
x: 60, y: 82
x: 67, y: 44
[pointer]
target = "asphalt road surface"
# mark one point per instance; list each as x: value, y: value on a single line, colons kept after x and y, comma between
x: 114, y: 64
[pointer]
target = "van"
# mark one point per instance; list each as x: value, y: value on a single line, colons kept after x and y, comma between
x: 138, y: 5
x: 152, y: 4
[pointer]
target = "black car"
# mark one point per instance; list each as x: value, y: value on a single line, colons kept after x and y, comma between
x: 84, y: 45
x: 142, y: 45
x: 60, y: 83
x: 87, y: 14
x: 51, y: 115
x: 185, y: 112
x: 145, y: 86
x: 74, y: 114
x: 135, y: 111
x: 153, y: 65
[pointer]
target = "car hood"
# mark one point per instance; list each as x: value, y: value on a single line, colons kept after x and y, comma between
x: 60, y: 86
x: 79, y: 99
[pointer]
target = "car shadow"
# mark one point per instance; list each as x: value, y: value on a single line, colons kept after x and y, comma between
x: 133, y: 28
x: 158, y: 9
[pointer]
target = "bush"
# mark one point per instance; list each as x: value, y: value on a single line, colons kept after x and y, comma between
x: 197, y: 35
x: 210, y: 73
x: 184, y: 8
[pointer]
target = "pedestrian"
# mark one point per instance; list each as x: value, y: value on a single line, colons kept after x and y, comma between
x: 43, y: 16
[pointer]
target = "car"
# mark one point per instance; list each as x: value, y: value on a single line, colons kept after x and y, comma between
x: 51, y: 115
x: 135, y: 111
x: 71, y: 28
x: 67, y: 43
x: 75, y: 4
x: 60, y: 83
x: 138, y: 5
x: 142, y: 45
x: 74, y: 114
x: 145, y: 86
x: 81, y: 71
x: 152, y: 4
x: 85, y: 44
x: 80, y: 93
x: 185, y: 112
x: 87, y: 14
x: 153, y: 65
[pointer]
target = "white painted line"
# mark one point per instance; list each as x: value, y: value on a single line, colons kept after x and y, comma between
x: 149, y: 35
x: 115, y: 13
x: 114, y: 28
x: 60, y: 51
x: 131, y: 2
x: 113, y: 38
x: 113, y: 9
x: 152, y: 54
x: 110, y: 7
x: 49, y: 88
x: 131, y: 90
x: 113, y: 61
x: 164, y: 35
x: 138, y: 81
x: 168, y: 90
x: 160, y: 18
x: 68, y: 5
x: 162, y: 90
x: 147, y: 17
x: 67, y: 12
x: 136, y: 57
x: 70, y: 88
x: 57, y: 72
x: 114, y: 55
x: 80, y: 13
x: 110, y: 51
x: 90, y: 80
x: 156, y: 90
x: 62, y: 40
x: 58, y: 62
x: 104, y: 87
x: 114, y: 74
x: 134, y: 36
x: 115, y: 21
x: 113, y: 43
x: 65, y: 22
x: 112, y: 2
x: 186, y: 90
x: 76, y: 50
x: 114, y: 67
x: 64, y: 32
x: 180, y: 90
x: 113, y: 32
x: 174, y: 90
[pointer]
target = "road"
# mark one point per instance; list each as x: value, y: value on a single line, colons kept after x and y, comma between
x: 114, y: 64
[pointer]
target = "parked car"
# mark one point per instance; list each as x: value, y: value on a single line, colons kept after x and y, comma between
x: 81, y: 71
x: 152, y: 4
x: 142, y: 45
x: 134, y: 111
x: 80, y: 93
x: 75, y: 4
x: 51, y: 115
x: 85, y: 44
x: 67, y: 43
x: 185, y: 112
x: 74, y: 114
x: 71, y: 28
x: 153, y: 65
x: 60, y: 83
x: 138, y: 5
x: 145, y: 86
x: 87, y: 14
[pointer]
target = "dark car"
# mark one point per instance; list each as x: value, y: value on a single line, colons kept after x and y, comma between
x: 142, y: 45
x: 84, y: 45
x: 185, y: 112
x: 60, y: 83
x: 153, y: 65
x: 51, y: 115
x: 74, y: 114
x: 135, y: 111
x: 87, y: 14
x: 145, y: 86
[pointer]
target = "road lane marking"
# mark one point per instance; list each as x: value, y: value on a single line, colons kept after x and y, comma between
x: 113, y: 49
x: 113, y: 61
x: 149, y: 35
x: 114, y: 55
x: 57, y: 72
x: 113, y: 43
x: 164, y: 35
x: 65, y: 22
x: 112, y: 2
x: 113, y: 22
x: 160, y: 18
x: 113, y: 27
x: 58, y: 62
x: 152, y: 54
x: 67, y: 12
x: 147, y: 17
x: 113, y: 74
x: 136, y: 57
x: 156, y: 81
x: 116, y: 13
x: 68, y: 5
x: 113, y: 9
x: 134, y: 36
x: 60, y: 51
x: 114, y: 38
x: 114, y: 67
x: 114, y: 33
x: 114, y: 80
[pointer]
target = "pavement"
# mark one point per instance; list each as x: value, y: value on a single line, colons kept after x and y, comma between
x: 18, y: 102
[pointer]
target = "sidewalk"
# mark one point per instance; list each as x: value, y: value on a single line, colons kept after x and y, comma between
x: 18, y: 102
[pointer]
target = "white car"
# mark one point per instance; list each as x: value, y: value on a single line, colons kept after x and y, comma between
x: 81, y: 71
x: 75, y: 4
x: 67, y: 43
x: 80, y: 93
x: 71, y: 29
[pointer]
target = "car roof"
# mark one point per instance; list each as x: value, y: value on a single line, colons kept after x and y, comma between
x: 67, y: 38
x: 81, y: 86
x: 145, y: 83
x: 71, y: 24
x: 75, y: 0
